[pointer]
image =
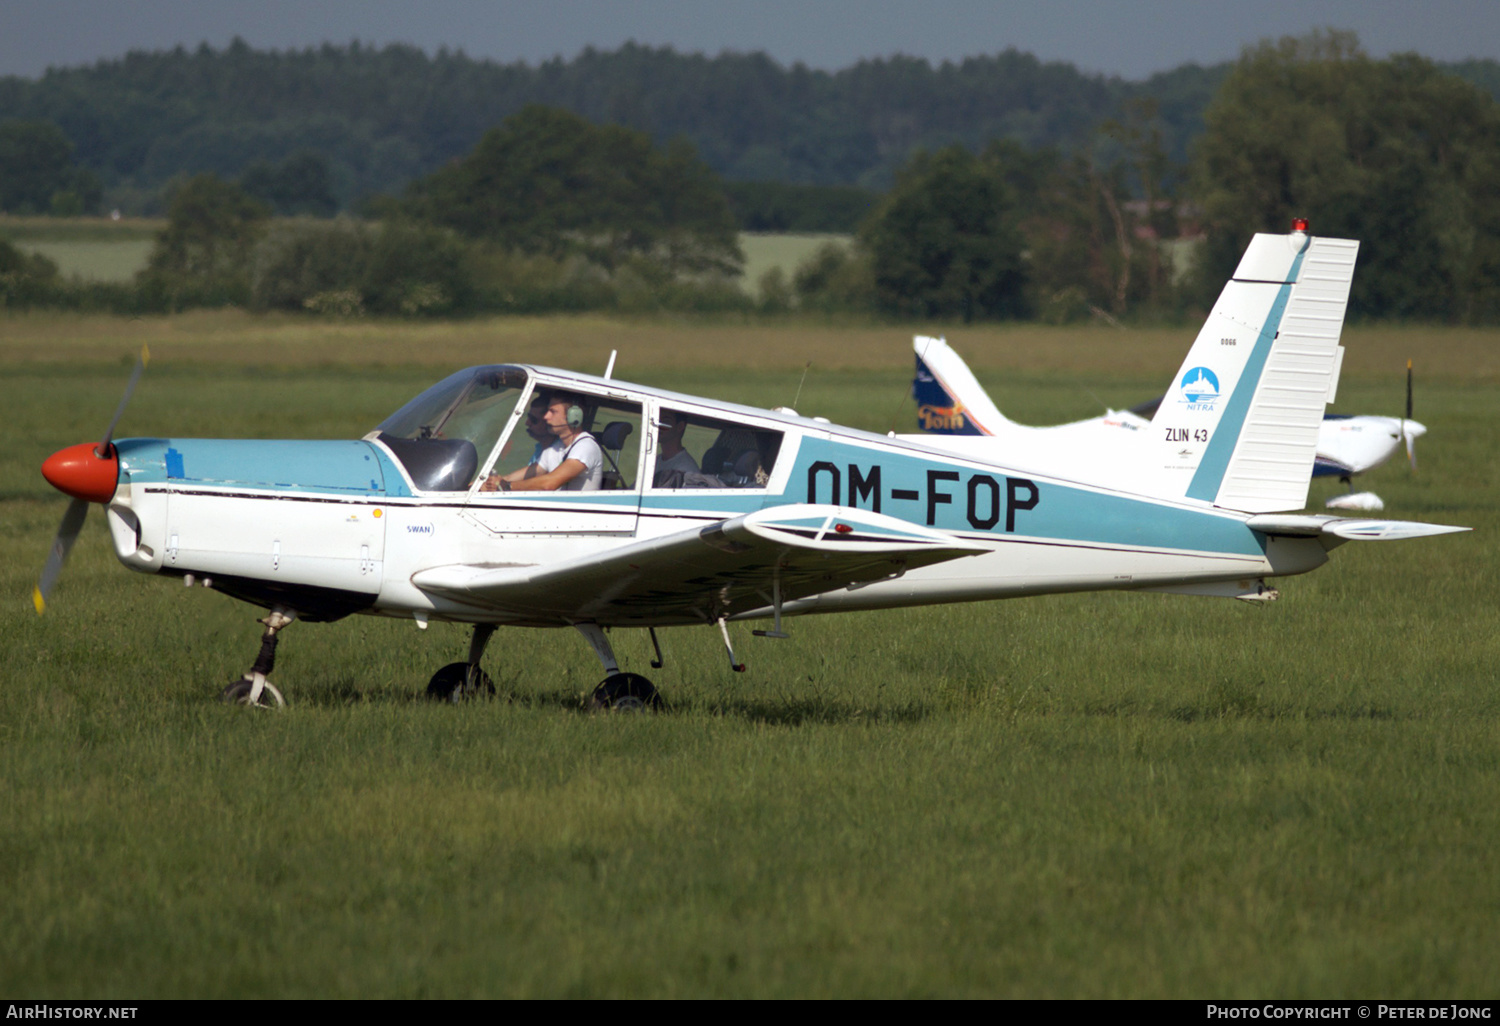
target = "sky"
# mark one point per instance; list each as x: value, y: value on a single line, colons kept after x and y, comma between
x: 1130, y: 38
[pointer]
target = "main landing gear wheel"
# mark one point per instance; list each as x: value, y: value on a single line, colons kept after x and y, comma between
x: 253, y: 690
x: 625, y: 692
x: 459, y: 681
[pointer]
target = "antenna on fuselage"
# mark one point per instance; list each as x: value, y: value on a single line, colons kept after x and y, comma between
x: 798, y: 396
x: 609, y: 371
x: 909, y: 391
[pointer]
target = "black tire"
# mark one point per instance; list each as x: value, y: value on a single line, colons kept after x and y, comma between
x: 452, y: 684
x: 625, y: 692
x: 238, y: 693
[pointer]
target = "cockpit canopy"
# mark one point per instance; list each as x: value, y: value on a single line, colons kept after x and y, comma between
x: 447, y: 436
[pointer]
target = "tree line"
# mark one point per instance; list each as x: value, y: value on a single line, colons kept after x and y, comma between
x: 551, y: 210
x: 382, y: 117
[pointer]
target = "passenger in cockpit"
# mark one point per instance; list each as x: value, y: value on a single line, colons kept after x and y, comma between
x: 674, y: 462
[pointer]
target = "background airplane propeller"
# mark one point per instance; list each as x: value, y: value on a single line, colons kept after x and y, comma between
x: 88, y: 473
x: 1409, y: 436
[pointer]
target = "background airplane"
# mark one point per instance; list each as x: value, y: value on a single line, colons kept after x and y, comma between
x: 951, y: 401
x: 784, y: 515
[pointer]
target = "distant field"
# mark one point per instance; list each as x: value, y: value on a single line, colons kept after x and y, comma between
x: 97, y: 261
x: 763, y: 252
x: 95, y: 248
x: 1079, y: 796
x: 104, y: 250
x: 79, y: 229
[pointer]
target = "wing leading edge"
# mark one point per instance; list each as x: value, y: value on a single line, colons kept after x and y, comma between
x: 699, y: 575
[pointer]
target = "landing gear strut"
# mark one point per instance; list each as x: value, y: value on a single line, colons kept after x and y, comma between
x: 253, y: 688
x: 619, y: 692
x: 459, y: 681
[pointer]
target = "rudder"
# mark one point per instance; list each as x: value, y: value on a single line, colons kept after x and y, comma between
x: 941, y: 379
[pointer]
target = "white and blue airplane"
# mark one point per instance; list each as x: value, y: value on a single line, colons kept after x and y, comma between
x: 951, y: 401
x: 782, y: 516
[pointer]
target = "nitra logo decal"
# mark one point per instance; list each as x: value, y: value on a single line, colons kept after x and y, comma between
x: 1200, y: 388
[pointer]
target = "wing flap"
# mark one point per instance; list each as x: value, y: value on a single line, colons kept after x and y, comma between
x: 701, y: 574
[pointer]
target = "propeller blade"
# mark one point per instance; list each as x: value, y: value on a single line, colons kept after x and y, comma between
x: 1408, y: 390
x: 135, y: 377
x: 85, y: 477
x: 67, y: 533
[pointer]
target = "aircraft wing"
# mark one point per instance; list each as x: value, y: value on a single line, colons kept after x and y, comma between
x: 698, y: 575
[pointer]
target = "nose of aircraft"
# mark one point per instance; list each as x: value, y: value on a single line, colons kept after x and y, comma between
x: 81, y: 472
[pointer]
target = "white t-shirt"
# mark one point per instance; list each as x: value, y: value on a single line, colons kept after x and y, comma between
x: 681, y: 460
x: 583, y: 449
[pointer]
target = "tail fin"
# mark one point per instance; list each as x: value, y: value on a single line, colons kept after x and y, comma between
x: 1239, y: 424
x: 950, y: 400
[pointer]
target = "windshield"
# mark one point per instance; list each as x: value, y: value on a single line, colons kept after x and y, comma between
x: 472, y: 406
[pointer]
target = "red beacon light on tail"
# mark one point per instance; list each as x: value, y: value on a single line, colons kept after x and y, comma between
x: 1299, y: 224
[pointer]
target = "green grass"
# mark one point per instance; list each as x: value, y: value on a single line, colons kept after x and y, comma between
x: 1098, y: 795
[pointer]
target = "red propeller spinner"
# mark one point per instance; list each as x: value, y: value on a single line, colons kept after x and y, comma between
x: 81, y: 472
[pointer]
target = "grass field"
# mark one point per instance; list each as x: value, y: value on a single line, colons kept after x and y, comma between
x: 1099, y: 795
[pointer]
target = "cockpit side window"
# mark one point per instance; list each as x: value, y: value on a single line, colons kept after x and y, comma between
x: 613, y: 424
x: 694, y: 451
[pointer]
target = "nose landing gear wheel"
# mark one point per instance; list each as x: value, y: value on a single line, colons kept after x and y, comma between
x: 458, y: 682
x: 625, y: 692
x: 254, y: 690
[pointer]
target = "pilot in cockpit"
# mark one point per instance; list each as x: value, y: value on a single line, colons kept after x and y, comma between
x: 573, y: 462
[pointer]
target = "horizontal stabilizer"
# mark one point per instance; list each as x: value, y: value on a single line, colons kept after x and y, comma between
x: 1310, y: 526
